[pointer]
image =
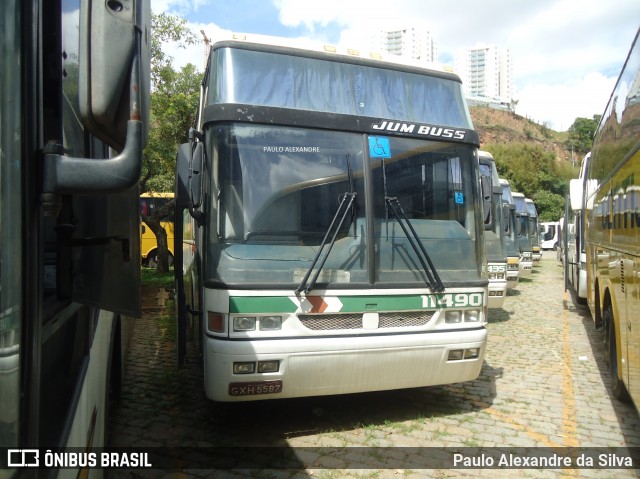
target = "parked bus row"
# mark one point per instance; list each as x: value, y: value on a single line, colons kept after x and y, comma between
x: 601, y: 231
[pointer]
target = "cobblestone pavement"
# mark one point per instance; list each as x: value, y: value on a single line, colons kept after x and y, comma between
x: 544, y: 384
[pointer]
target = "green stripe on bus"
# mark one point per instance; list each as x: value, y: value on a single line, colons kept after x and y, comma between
x: 261, y: 304
x: 350, y: 304
x: 354, y: 304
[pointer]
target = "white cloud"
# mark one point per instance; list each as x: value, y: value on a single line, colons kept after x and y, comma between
x: 559, y: 105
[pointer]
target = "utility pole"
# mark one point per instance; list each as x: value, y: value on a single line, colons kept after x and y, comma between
x: 207, y: 46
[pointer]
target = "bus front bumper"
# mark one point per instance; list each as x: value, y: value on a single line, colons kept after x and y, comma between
x: 322, y: 366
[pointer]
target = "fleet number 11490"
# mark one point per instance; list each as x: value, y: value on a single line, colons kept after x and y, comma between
x: 451, y: 300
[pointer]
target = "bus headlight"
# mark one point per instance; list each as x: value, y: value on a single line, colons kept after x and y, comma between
x: 472, y: 316
x: 244, y: 368
x: 270, y: 323
x: 453, y: 317
x: 244, y: 323
x: 268, y: 366
x: 471, y: 353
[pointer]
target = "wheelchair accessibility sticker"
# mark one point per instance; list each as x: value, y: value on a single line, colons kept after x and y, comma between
x: 379, y: 147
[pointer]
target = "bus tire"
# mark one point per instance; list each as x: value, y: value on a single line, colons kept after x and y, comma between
x: 618, y: 388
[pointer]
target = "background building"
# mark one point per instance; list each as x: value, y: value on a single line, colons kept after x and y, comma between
x: 413, y: 42
x: 486, y: 73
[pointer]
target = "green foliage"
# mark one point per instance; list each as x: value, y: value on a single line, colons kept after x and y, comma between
x: 581, y: 134
x: 174, y: 106
x: 151, y: 277
x: 174, y: 103
x: 550, y: 205
x: 536, y: 173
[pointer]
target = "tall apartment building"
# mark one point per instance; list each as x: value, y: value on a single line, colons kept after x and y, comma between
x: 413, y: 42
x: 486, y: 73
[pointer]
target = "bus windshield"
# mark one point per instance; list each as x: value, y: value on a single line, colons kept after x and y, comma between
x: 288, y: 81
x: 278, y: 190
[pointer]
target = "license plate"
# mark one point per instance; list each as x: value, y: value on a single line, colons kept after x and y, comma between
x: 255, y: 388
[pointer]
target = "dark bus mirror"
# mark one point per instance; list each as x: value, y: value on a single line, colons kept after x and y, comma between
x: 195, y: 178
x: 506, y: 214
x: 485, y: 183
x: 183, y: 162
x: 112, y: 35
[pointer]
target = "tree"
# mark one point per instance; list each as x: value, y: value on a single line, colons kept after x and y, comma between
x: 174, y: 106
x: 581, y: 133
x: 550, y: 205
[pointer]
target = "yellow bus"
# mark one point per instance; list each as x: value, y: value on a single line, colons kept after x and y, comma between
x: 149, y: 203
x: 612, y: 212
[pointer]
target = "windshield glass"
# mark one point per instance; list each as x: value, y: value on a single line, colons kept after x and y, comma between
x: 289, y: 81
x: 275, y: 192
x: 506, y: 194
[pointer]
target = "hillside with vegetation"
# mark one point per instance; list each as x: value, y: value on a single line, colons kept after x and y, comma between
x: 536, y: 160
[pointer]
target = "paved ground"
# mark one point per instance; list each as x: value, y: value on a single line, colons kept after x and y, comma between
x: 544, y: 385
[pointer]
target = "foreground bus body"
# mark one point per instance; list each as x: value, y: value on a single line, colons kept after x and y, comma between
x: 510, y: 226
x: 73, y: 115
x: 612, y: 242
x: 343, y: 249
x: 523, y: 237
x: 494, y: 234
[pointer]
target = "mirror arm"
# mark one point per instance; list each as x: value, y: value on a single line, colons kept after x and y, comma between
x: 196, y: 215
x: 195, y: 135
x: 70, y: 175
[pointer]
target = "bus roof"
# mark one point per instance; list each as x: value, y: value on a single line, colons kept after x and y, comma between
x: 338, y: 50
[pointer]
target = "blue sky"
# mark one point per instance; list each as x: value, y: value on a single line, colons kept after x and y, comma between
x: 566, y: 53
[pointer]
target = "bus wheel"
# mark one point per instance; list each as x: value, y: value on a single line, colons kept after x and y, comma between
x: 618, y: 388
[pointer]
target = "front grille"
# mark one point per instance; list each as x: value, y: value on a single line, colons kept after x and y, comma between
x: 321, y: 322
x: 404, y: 319
x: 399, y: 319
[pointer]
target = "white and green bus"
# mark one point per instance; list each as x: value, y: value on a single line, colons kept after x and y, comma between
x: 523, y: 238
x: 510, y: 228
x: 534, y: 229
x: 331, y: 230
x: 494, y: 235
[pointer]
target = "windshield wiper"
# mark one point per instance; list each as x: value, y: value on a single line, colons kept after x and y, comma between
x: 341, y: 213
x: 433, y: 280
